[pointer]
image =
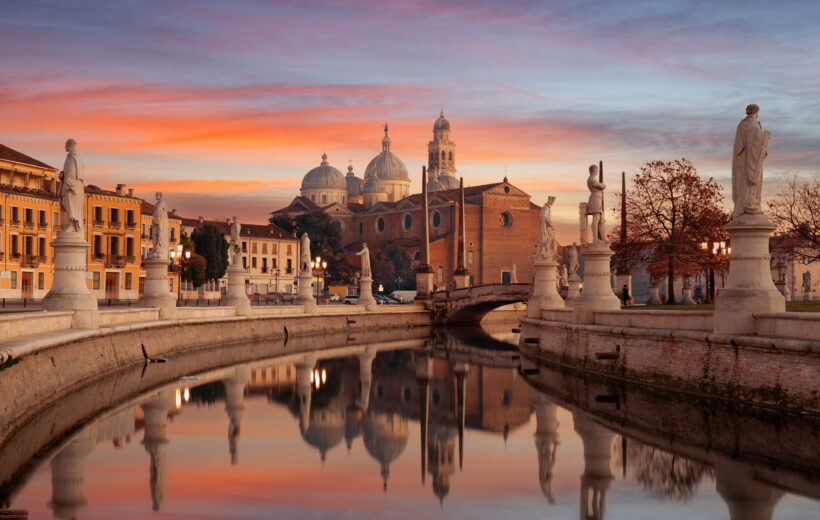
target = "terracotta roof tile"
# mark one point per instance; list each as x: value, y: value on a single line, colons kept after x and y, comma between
x: 9, y: 154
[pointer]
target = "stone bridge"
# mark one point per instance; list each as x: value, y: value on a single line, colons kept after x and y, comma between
x: 470, y: 304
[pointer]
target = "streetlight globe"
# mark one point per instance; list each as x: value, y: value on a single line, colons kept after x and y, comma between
x: 324, y: 265
x: 187, y: 255
x: 179, y: 248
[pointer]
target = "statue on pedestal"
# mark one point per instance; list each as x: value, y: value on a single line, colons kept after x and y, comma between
x: 546, y: 233
x: 573, y: 260
x: 562, y: 276
x: 235, y: 247
x: 71, y: 190
x: 159, y: 229
x: 595, y: 205
x: 513, y: 273
x: 365, y: 254
x: 751, y: 142
x: 305, y: 254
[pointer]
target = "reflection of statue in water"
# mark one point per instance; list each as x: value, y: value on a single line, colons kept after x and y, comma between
x: 751, y: 142
x: 72, y: 192
x: 595, y: 205
x: 573, y: 261
x: 546, y: 233
x: 159, y: 229
x: 235, y: 247
x: 305, y: 254
x: 365, y: 254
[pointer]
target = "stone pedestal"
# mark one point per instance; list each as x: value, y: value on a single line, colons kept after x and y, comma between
x: 806, y: 296
x: 69, y: 291
x: 544, y: 292
x: 688, y: 296
x: 424, y: 284
x: 597, y: 295
x: 366, y: 293
x: 462, y: 280
x: 236, y: 295
x: 156, y: 292
x: 654, y: 295
x: 746, y: 497
x: 573, y: 291
x: 749, y: 288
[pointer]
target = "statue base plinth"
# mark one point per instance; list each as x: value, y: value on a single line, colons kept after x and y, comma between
x: 69, y: 291
x: 781, y: 286
x: 806, y: 296
x: 156, y: 293
x: 654, y: 295
x: 750, y: 287
x: 424, y: 285
x: 366, y: 293
x: 236, y: 295
x: 573, y: 290
x: 544, y: 291
x: 462, y: 280
x: 305, y: 294
x: 688, y: 296
x: 597, y: 295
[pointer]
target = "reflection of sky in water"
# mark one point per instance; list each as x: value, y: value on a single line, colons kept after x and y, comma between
x: 279, y: 475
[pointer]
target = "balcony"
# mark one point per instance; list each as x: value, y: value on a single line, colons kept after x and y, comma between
x: 30, y: 261
x: 15, y: 255
x: 116, y: 260
x: 42, y: 224
x: 289, y: 270
x: 130, y: 225
x: 28, y: 224
x: 98, y: 256
x: 15, y: 221
x: 114, y: 224
x: 42, y: 258
x: 264, y: 269
x: 97, y: 222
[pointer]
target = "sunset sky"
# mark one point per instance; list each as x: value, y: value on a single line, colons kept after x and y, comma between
x: 224, y: 106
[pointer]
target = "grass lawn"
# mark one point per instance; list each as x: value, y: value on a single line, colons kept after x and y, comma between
x: 812, y: 306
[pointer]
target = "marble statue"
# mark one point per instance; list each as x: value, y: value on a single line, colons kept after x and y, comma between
x: 807, y: 282
x: 305, y: 253
x: 751, y: 142
x: 595, y: 204
x: 573, y: 260
x: 562, y: 276
x: 546, y: 233
x: 365, y: 254
x: 513, y: 273
x: 72, y: 192
x: 235, y: 245
x: 159, y: 229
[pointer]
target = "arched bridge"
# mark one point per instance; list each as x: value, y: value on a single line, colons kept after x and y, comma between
x: 470, y: 304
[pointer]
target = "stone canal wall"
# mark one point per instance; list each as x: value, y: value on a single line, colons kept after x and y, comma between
x: 678, y: 348
x: 61, y: 361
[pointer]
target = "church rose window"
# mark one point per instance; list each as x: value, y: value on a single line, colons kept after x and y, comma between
x: 436, y: 220
x: 380, y: 224
x: 408, y: 222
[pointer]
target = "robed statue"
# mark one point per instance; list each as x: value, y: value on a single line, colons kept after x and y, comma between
x: 159, y: 229
x: 562, y: 276
x: 546, y: 233
x: 305, y: 254
x: 365, y: 254
x: 751, y: 142
x: 235, y: 247
x: 513, y: 273
x: 595, y: 204
x: 71, y: 190
x: 573, y: 261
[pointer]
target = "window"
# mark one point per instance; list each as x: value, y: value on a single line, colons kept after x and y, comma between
x: 436, y: 220
x: 264, y: 247
x: 15, y: 246
x: 253, y: 262
x: 505, y: 219
x: 129, y: 217
x: 114, y: 216
x: 244, y: 262
x: 244, y: 247
x: 129, y: 246
x: 506, y: 189
x: 41, y: 246
x: 417, y: 256
x: 98, y: 215
x: 55, y: 218
x: 29, y: 216
x: 98, y: 249
x: 443, y: 155
x: 173, y: 235
x: 41, y: 280
x: 289, y: 268
x: 273, y: 263
x: 408, y: 222
x: 324, y: 199
x: 41, y: 218
x: 15, y: 215
x: 450, y: 156
x: 470, y: 257
x: 13, y: 281
x: 95, y: 280
x: 361, y: 229
x: 505, y: 277
x: 440, y: 274
x: 143, y: 231
x: 129, y: 278
x: 264, y: 265
x: 380, y: 224
x: 290, y: 249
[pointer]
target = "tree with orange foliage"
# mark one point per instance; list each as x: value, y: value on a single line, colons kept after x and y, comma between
x: 670, y: 210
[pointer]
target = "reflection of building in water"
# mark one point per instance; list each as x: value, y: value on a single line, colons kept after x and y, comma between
x: 155, y: 412
x: 597, y: 475
x: 385, y: 437
x: 746, y: 497
x: 441, y: 449
x: 546, y: 440
x: 235, y: 405
x: 270, y: 380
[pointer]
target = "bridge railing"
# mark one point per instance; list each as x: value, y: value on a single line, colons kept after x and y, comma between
x: 482, y: 290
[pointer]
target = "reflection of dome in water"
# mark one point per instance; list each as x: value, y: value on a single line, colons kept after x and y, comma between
x: 353, y: 424
x: 326, y: 430
x: 385, y: 437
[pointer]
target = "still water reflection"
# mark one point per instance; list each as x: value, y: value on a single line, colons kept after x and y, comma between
x: 453, y: 431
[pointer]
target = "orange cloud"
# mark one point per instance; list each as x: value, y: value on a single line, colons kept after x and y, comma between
x: 217, y: 185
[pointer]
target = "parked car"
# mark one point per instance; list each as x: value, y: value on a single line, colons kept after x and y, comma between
x: 352, y: 299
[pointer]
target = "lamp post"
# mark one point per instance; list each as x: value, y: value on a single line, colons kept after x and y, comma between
x: 318, y: 266
x: 176, y: 259
x: 276, y: 274
x: 720, y: 252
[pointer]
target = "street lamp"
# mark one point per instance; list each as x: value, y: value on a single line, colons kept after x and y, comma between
x: 720, y: 251
x: 319, y: 267
x: 176, y: 259
x: 276, y: 274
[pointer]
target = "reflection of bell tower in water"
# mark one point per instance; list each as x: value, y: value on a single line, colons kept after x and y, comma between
x: 68, y: 476
x: 155, y: 412
x: 235, y: 405
x: 597, y: 475
x: 546, y: 439
x: 303, y: 390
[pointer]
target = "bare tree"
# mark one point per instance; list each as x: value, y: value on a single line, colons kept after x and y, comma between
x: 795, y: 210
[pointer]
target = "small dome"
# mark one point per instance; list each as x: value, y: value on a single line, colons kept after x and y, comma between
x: 354, y: 184
x: 386, y: 165
x: 374, y: 185
x: 324, y: 176
x: 448, y: 182
x: 435, y: 185
x: 441, y: 123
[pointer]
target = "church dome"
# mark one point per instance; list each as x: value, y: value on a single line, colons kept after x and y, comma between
x: 324, y: 176
x: 354, y: 184
x: 386, y: 165
x: 448, y: 182
x: 374, y: 185
x: 441, y: 123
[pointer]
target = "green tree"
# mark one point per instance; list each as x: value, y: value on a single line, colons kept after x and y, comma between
x: 194, y: 270
x: 325, y: 239
x: 210, y: 243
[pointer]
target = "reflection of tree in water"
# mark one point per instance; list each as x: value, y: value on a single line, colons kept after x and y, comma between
x: 661, y: 472
x: 208, y: 393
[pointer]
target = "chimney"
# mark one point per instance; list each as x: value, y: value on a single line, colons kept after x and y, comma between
x: 130, y: 192
x: 120, y: 188
x: 201, y: 219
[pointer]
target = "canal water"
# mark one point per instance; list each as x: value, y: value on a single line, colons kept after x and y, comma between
x: 457, y: 427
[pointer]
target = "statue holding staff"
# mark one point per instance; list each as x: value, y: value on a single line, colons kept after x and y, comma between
x: 365, y: 254
x: 72, y: 192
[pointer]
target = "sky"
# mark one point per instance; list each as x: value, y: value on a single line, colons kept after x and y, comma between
x: 224, y: 106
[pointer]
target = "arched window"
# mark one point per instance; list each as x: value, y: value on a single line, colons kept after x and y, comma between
x: 443, y: 155
x: 450, y: 156
x: 436, y: 220
x: 408, y: 222
x: 380, y: 224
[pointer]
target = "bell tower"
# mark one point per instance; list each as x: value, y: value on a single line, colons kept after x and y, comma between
x: 441, y: 151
